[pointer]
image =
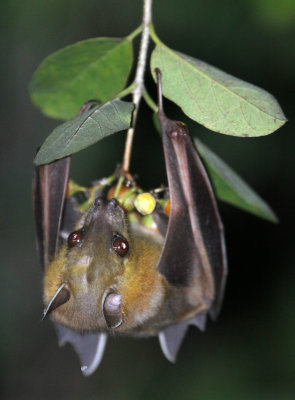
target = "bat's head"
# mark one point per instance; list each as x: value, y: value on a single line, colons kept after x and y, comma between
x: 104, y: 277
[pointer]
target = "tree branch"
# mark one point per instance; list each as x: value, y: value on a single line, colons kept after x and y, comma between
x: 139, y: 81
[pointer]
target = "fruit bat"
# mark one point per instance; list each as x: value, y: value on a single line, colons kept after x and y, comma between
x: 108, y: 272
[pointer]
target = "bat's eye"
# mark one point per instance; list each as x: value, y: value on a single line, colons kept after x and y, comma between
x: 120, y: 245
x: 75, y: 238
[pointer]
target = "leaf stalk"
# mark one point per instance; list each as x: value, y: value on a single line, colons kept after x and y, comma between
x: 150, y: 102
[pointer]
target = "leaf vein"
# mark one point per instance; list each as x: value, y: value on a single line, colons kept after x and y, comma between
x: 190, y: 94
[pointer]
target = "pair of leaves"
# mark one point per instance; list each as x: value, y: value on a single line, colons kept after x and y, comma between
x: 99, y: 69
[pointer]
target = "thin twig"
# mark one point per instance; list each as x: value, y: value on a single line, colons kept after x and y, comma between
x: 139, y: 81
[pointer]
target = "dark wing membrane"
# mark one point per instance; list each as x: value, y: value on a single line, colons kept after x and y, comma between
x: 38, y: 214
x: 194, y: 244
x: 89, y: 346
x: 179, y: 253
x: 49, y: 191
x: 171, y: 337
x: 70, y: 216
x: 161, y: 220
x: 204, y: 217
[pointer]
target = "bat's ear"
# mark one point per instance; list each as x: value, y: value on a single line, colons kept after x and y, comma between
x: 89, y: 346
x: 61, y: 296
x: 195, y: 231
x: 49, y: 192
x: 171, y: 338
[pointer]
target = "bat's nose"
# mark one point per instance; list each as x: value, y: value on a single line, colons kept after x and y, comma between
x: 99, y: 202
x: 113, y: 203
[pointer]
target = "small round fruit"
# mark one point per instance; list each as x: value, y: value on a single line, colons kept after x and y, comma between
x: 122, y: 192
x: 167, y: 208
x: 145, y: 203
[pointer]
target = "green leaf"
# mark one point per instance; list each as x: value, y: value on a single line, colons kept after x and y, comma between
x: 84, y: 130
x: 91, y: 69
x: 213, y: 98
x: 230, y: 188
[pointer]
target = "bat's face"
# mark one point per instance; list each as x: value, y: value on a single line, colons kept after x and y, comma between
x: 107, y: 273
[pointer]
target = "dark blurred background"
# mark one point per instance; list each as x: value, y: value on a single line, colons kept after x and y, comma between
x: 249, y: 353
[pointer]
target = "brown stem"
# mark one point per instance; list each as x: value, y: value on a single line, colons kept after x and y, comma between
x: 139, y: 81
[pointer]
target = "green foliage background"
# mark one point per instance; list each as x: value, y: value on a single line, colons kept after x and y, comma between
x: 250, y: 352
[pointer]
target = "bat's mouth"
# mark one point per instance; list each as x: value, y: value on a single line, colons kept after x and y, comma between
x: 112, y: 309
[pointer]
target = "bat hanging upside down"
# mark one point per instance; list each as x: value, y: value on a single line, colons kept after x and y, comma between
x: 111, y: 269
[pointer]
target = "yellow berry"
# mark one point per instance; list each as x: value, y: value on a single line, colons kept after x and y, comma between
x: 145, y: 203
